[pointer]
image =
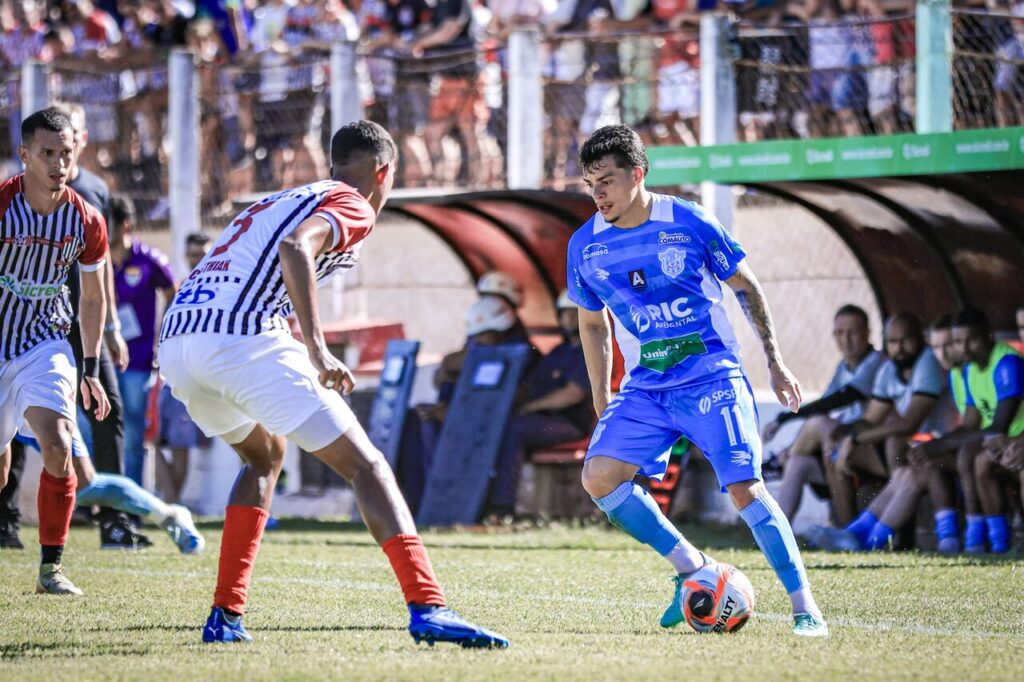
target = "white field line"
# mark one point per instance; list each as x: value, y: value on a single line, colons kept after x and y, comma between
x: 367, y: 586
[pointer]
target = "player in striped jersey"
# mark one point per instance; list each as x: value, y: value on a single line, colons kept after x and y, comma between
x: 227, y: 354
x: 45, y: 226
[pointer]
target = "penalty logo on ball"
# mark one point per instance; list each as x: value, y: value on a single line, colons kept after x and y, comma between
x: 717, y: 598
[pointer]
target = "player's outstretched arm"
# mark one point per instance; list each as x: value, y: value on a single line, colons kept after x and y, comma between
x: 298, y: 251
x: 596, y: 338
x: 92, y: 316
x: 755, y: 307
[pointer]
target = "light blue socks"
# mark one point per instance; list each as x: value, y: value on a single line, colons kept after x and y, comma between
x: 121, y: 493
x: 630, y: 508
x: 774, y: 536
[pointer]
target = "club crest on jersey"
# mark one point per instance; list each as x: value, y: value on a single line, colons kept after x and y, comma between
x: 70, y: 248
x: 594, y: 250
x: 673, y: 261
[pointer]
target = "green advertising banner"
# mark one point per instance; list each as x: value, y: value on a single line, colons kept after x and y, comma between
x: 831, y: 159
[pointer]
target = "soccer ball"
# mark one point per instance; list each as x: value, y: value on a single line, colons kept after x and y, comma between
x: 717, y: 598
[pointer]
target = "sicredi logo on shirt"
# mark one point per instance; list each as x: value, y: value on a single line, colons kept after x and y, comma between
x: 663, y: 315
x: 29, y: 289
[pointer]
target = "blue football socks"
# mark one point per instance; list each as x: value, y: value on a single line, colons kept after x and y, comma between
x: 862, y: 525
x: 774, y: 536
x: 974, y: 535
x: 998, y: 533
x: 947, y: 530
x: 630, y: 508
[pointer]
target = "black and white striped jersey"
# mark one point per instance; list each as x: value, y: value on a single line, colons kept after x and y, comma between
x: 36, y: 252
x: 238, y: 288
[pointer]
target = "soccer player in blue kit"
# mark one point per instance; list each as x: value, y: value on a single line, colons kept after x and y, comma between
x: 655, y: 263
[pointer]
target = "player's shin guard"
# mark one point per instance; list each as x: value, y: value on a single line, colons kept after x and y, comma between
x: 55, y: 504
x: 243, y: 530
x: 123, y: 494
x: 998, y: 533
x: 630, y: 508
x: 774, y: 536
x: 412, y: 567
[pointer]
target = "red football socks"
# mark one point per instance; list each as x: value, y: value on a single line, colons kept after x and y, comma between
x: 243, y: 529
x: 412, y: 567
x: 55, y: 503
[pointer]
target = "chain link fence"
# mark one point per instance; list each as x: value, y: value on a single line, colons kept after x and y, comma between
x: 649, y: 80
x: 125, y: 116
x: 10, y: 121
x: 837, y: 79
x: 448, y: 112
x: 988, y: 78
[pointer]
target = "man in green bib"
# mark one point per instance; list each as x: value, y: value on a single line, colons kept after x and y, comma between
x: 994, y: 398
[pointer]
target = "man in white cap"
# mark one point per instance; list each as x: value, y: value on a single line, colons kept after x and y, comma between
x: 490, y: 321
x: 557, y: 409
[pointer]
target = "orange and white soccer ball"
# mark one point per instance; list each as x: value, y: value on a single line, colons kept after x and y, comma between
x: 717, y: 598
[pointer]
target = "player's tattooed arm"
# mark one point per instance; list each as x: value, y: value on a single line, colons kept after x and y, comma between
x: 755, y: 306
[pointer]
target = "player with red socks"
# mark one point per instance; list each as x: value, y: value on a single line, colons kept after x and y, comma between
x: 227, y: 354
x: 45, y: 227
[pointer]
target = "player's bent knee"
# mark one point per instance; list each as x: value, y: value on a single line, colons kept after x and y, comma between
x: 602, y: 475
x: 744, y: 493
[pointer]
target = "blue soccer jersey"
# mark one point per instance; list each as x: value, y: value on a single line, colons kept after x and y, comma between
x: 660, y: 281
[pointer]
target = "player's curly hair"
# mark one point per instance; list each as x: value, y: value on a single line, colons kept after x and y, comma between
x: 618, y: 141
x: 362, y: 138
x: 51, y: 119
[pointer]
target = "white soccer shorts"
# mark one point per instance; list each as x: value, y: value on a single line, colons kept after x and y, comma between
x: 43, y: 376
x: 229, y: 384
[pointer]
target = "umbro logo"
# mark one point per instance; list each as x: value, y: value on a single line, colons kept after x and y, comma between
x: 740, y: 458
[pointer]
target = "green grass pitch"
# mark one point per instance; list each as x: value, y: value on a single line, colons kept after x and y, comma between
x: 577, y: 603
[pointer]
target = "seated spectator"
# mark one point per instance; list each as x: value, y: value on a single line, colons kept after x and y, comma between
x: 994, y: 382
x: 842, y: 403
x: 907, y: 399
x: 940, y: 466
x: 489, y: 322
x: 557, y: 409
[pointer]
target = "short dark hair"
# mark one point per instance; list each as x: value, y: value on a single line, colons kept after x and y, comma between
x: 51, y: 119
x: 619, y: 142
x: 853, y: 311
x: 362, y: 138
x: 944, y: 322
x: 973, y: 318
x: 121, y: 209
x: 197, y: 239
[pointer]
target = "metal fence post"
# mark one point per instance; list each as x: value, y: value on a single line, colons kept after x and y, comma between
x: 346, y: 102
x: 717, y: 104
x: 35, y: 88
x: 184, y: 180
x: 934, y: 67
x: 525, y: 157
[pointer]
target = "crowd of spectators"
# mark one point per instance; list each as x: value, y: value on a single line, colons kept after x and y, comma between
x: 433, y: 71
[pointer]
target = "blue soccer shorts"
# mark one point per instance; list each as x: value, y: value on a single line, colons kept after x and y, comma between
x: 719, y: 417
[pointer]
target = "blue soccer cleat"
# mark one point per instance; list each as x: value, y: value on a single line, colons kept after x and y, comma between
x: 220, y: 627
x: 440, y: 624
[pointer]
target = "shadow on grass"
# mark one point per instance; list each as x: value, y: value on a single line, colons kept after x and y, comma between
x: 26, y: 650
